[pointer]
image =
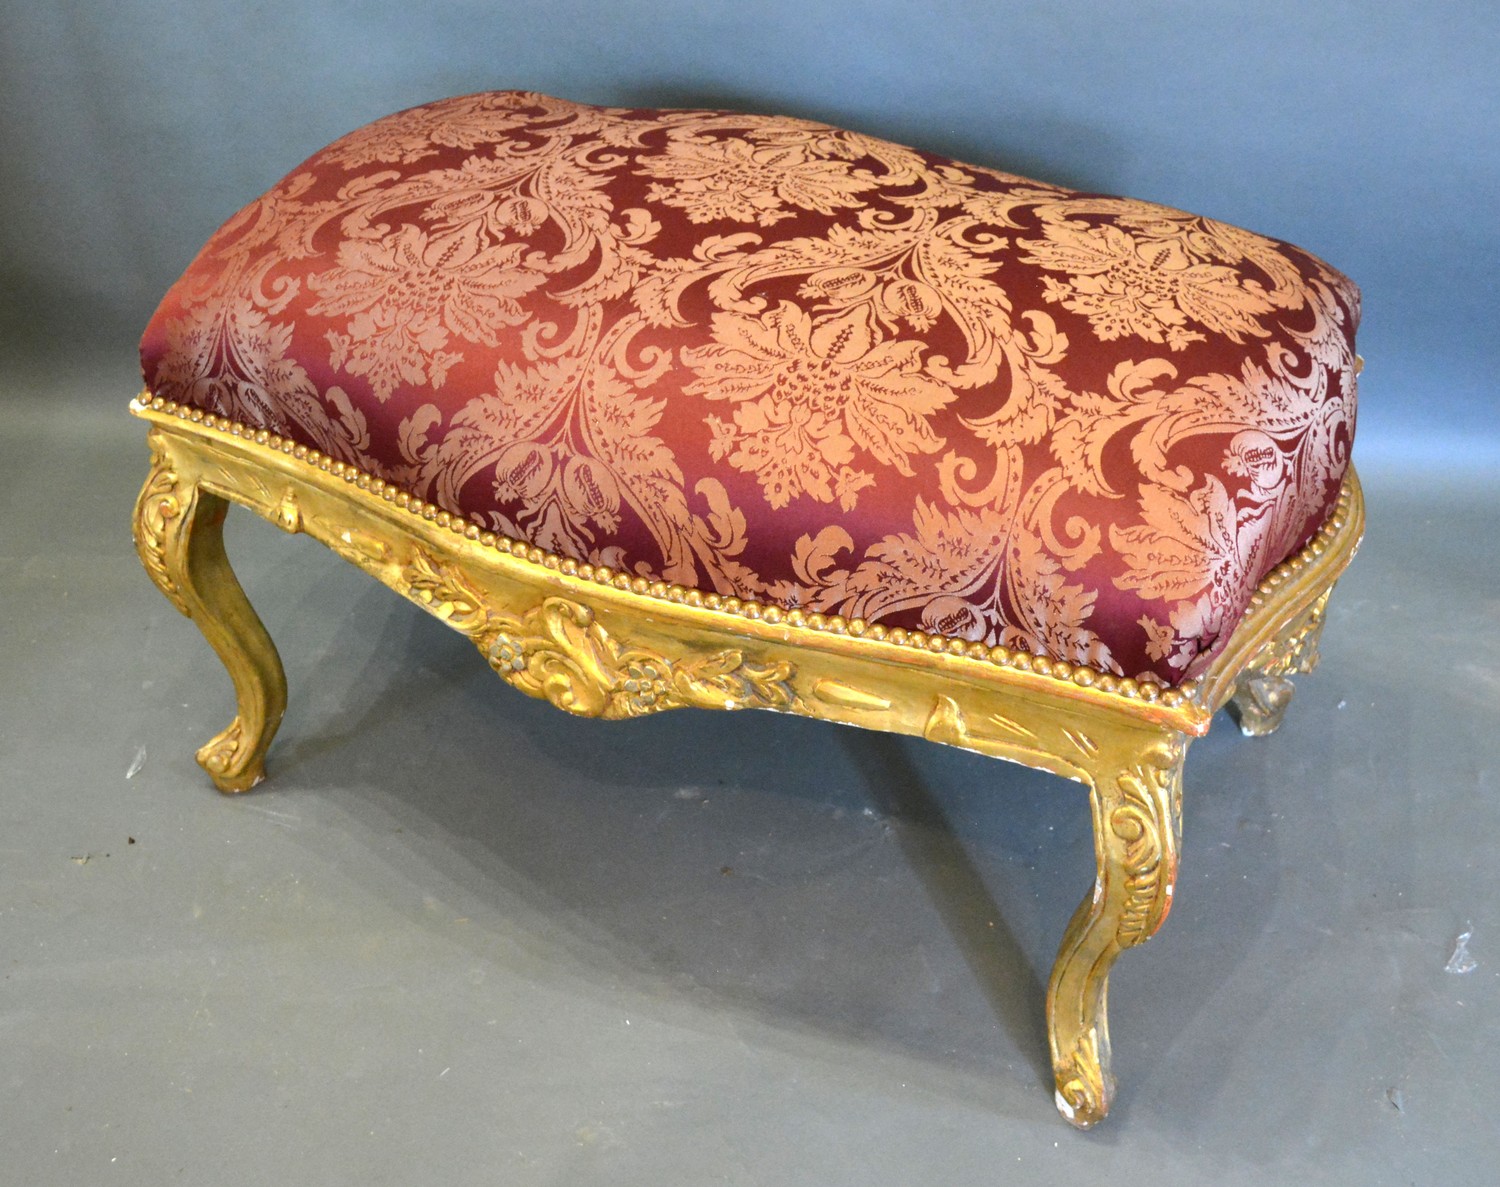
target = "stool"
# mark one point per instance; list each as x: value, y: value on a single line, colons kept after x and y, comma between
x: 669, y: 409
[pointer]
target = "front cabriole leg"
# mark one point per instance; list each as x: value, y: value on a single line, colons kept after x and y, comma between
x: 1137, y: 810
x: 179, y: 535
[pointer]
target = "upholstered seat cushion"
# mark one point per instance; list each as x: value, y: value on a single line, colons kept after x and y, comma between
x: 768, y: 358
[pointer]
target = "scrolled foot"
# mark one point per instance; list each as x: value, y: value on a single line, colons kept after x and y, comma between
x: 1085, y: 1087
x: 1260, y: 703
x: 232, y: 765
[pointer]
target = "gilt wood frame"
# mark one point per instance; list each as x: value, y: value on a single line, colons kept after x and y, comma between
x: 604, y: 644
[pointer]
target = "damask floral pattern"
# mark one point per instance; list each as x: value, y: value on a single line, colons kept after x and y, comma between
x: 775, y: 359
x: 736, y: 178
x: 820, y: 392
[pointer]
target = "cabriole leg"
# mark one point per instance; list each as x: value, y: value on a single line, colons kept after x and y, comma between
x: 1264, y: 690
x: 1260, y: 703
x: 179, y: 535
x: 1137, y: 827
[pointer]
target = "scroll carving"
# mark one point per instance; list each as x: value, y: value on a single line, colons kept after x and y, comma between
x: 1295, y: 650
x: 1151, y: 806
x: 1138, y: 822
x: 558, y: 652
x: 158, y: 513
x: 1081, y: 1095
x: 1263, y: 692
x: 218, y: 756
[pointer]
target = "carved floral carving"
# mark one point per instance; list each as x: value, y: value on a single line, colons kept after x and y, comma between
x: 445, y: 592
x: 558, y: 652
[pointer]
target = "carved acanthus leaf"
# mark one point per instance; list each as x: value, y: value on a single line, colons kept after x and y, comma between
x: 1295, y: 649
x: 447, y: 593
x: 158, y: 513
x: 1147, y: 821
x: 217, y: 756
x: 557, y: 651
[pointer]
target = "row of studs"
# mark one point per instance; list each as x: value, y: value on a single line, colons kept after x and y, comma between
x: 1021, y: 661
x: 1305, y: 559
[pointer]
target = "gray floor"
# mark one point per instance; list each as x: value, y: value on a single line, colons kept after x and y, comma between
x: 461, y: 938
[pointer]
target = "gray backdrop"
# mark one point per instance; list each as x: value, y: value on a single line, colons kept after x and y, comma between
x: 860, y: 1003
x: 1364, y: 132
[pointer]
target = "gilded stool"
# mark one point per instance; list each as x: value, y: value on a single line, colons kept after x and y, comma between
x: 670, y: 409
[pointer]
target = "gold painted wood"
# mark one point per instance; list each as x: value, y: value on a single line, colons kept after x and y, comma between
x: 602, y: 644
x: 178, y: 529
x: 1136, y: 798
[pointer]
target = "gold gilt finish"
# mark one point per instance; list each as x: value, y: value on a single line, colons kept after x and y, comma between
x: 603, y: 644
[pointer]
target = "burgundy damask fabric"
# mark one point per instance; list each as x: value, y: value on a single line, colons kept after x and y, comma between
x: 764, y: 357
